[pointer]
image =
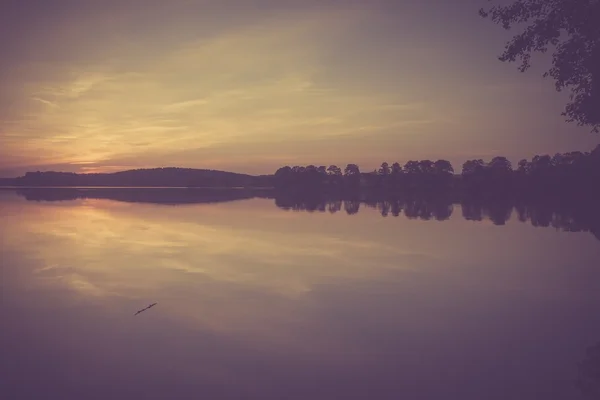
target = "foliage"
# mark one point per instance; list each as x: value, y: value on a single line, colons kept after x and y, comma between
x: 568, y: 171
x: 572, y: 28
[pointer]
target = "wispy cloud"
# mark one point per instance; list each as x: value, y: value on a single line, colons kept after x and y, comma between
x: 260, y: 83
x: 283, y: 80
x: 46, y: 102
x: 183, y: 105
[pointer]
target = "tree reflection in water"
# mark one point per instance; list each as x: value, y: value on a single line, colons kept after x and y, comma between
x: 570, y: 214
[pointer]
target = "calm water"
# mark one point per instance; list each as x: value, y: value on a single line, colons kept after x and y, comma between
x: 255, y: 302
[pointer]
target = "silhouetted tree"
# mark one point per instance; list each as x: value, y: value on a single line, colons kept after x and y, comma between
x: 283, y: 176
x: 499, y: 172
x: 384, y: 173
x: 322, y: 170
x: 335, y: 175
x: 426, y: 167
x: 523, y: 167
x: 472, y: 172
x: 412, y: 167
x: 443, y: 171
x: 472, y: 167
x: 573, y: 174
x: 500, y: 165
x: 396, y: 174
x: 443, y: 167
x: 352, y: 174
x: 571, y: 27
x: 385, y: 169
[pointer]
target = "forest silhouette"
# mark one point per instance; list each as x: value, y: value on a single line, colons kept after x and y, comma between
x: 572, y: 174
x: 559, y: 191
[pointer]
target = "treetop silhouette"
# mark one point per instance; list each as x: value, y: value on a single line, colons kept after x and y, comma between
x: 572, y: 29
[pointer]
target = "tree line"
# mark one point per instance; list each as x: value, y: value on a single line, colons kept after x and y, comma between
x: 571, y: 170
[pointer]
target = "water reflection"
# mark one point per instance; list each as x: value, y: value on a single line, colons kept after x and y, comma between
x: 254, y: 302
x: 561, y: 214
x: 143, y: 195
x: 589, y: 369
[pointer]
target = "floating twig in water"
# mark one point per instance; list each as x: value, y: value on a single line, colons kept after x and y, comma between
x: 144, y: 309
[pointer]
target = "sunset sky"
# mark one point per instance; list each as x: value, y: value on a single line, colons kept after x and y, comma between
x: 251, y: 85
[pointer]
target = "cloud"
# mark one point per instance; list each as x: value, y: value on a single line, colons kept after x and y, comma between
x: 183, y: 105
x: 237, y: 84
x: 258, y: 83
x: 46, y: 102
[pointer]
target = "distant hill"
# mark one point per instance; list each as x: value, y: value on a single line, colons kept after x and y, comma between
x: 154, y: 177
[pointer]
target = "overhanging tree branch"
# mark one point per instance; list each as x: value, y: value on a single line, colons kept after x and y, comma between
x: 572, y: 27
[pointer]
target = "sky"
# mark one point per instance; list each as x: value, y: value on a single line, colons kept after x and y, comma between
x: 252, y: 85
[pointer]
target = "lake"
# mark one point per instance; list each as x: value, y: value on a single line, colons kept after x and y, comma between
x: 258, y: 302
